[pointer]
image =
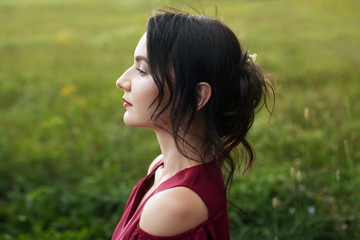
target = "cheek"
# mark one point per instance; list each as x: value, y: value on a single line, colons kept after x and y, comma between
x: 143, y: 97
x: 148, y: 92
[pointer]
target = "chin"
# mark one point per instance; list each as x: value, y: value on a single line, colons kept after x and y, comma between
x: 132, y: 122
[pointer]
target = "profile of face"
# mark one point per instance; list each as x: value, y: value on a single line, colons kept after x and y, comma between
x: 139, y: 88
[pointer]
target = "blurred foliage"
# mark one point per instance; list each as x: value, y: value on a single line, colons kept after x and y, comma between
x: 68, y: 163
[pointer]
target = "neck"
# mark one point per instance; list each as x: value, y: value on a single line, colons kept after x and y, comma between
x: 173, y: 160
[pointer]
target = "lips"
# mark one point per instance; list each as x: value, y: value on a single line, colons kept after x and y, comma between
x: 126, y: 103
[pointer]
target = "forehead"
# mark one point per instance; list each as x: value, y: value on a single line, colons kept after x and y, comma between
x: 140, y: 49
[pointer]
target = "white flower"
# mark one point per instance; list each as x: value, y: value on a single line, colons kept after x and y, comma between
x: 311, y: 210
x: 292, y: 210
x: 253, y: 57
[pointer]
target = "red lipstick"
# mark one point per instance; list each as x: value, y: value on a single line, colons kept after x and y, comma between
x: 126, y: 103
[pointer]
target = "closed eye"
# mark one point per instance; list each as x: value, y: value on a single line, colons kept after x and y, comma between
x: 142, y: 72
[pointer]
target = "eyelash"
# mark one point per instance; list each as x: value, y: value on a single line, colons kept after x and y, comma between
x: 141, y: 71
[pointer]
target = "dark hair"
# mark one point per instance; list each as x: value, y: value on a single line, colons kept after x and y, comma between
x: 184, y: 50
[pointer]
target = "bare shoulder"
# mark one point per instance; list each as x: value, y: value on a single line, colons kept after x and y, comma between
x: 172, y: 212
x: 154, y: 162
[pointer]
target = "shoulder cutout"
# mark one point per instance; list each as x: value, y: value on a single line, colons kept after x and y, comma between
x: 173, y: 211
x: 154, y: 162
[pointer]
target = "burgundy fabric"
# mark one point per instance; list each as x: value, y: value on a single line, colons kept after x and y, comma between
x: 205, y: 180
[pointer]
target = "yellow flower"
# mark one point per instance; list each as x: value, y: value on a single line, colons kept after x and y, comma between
x: 292, y: 173
x: 67, y: 89
x: 275, y: 203
x: 298, y: 176
x: 81, y: 101
x: 63, y: 37
x: 318, y: 198
x: 306, y: 114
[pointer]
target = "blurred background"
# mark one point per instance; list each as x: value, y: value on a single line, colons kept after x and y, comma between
x: 68, y: 162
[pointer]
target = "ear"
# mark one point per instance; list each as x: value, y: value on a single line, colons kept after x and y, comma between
x: 203, y: 90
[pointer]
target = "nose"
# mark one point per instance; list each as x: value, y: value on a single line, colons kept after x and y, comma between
x: 124, y: 81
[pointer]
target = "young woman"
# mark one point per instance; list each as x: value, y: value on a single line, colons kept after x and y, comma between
x: 192, y: 84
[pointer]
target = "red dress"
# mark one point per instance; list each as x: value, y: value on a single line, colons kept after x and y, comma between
x: 204, y: 179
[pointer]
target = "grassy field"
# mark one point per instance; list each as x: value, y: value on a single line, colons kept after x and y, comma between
x: 68, y: 162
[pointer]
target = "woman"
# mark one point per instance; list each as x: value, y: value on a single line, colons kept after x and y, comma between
x: 191, y: 83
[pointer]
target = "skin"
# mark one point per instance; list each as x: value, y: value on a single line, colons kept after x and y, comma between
x: 139, y: 89
x: 179, y: 209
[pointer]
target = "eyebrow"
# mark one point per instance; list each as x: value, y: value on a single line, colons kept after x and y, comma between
x: 141, y: 58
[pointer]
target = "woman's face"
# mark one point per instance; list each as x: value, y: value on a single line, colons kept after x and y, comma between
x: 139, y: 89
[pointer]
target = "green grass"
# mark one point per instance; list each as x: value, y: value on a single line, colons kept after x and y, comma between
x: 68, y: 162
